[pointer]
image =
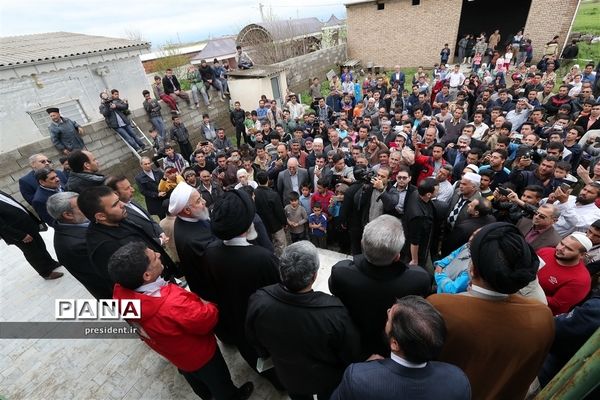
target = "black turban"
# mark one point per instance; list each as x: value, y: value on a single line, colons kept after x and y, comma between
x: 502, y: 257
x: 233, y: 215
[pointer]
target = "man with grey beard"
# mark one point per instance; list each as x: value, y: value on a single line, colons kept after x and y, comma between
x: 191, y: 232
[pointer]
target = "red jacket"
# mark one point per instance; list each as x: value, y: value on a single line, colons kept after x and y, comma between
x: 427, y: 167
x: 178, y: 325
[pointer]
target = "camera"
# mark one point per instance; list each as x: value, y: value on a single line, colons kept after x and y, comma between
x: 363, y: 175
x: 503, y: 191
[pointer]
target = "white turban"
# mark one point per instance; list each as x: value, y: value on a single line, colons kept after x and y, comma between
x: 473, y: 168
x: 179, y: 198
x: 470, y: 176
x: 583, y: 240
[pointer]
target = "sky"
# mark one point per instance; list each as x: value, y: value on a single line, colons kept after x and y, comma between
x: 160, y: 22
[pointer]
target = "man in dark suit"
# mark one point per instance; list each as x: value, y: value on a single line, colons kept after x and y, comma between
x: 135, y: 212
x: 28, y: 184
x: 369, y: 284
x: 291, y: 180
x: 468, y: 190
x: 18, y: 226
x: 270, y: 209
x: 416, y: 334
x: 49, y: 184
x: 147, y: 181
x: 70, y: 244
x: 539, y: 232
x: 479, y: 214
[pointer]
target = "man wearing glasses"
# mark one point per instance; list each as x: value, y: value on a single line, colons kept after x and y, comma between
x: 539, y: 232
x: 28, y: 184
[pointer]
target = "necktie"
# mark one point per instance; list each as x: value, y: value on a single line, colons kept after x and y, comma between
x: 455, y: 211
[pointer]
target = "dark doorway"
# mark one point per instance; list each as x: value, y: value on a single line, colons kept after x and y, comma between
x: 509, y: 16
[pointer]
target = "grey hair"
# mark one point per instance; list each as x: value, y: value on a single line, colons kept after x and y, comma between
x: 383, y: 239
x: 144, y: 159
x: 298, y: 265
x: 60, y: 203
x: 465, y: 138
x: 33, y: 157
x: 555, y: 210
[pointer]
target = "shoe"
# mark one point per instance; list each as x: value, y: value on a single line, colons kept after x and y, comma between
x: 245, y: 391
x: 53, y: 275
x: 210, y: 107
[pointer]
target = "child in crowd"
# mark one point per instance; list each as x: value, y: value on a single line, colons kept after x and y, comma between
x: 296, y: 218
x: 317, y: 224
x: 335, y: 206
x: 305, y: 198
x: 168, y: 183
x: 174, y: 160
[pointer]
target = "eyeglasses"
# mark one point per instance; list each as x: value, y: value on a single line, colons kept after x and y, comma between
x: 542, y: 216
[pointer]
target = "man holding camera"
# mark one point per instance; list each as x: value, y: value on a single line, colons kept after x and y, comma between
x: 115, y: 113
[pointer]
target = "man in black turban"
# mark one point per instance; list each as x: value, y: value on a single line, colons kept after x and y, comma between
x: 498, y: 338
x: 235, y: 269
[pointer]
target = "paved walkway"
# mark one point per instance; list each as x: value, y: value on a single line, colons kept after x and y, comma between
x: 38, y: 369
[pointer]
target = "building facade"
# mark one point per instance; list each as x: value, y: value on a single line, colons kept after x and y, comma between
x: 412, y: 32
x: 65, y: 70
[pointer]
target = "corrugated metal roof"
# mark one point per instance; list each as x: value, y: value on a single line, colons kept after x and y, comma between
x: 333, y: 21
x: 53, y: 46
x: 287, y: 29
x: 217, y: 47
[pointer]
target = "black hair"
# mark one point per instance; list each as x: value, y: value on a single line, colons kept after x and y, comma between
x: 128, y: 265
x: 77, y: 159
x: 426, y: 186
x: 90, y: 200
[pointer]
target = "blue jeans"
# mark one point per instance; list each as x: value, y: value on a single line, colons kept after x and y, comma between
x: 127, y: 134
x: 159, y: 125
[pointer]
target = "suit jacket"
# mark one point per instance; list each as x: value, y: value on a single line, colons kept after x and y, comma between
x: 548, y: 238
x: 583, y: 122
x: 28, y: 185
x: 284, y: 183
x: 71, y: 251
x: 388, y: 380
x: 149, y: 225
x: 39, y: 204
x: 462, y: 215
x: 16, y: 223
x: 170, y: 88
x: 462, y: 231
x: 149, y: 188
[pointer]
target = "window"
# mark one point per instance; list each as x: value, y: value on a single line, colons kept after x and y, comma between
x: 380, y: 6
x: 416, y: 2
x: 70, y: 109
x: 276, y: 89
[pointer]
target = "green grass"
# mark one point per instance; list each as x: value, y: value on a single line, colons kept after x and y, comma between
x: 588, y: 17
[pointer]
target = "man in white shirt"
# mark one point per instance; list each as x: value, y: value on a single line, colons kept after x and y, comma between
x: 455, y: 79
x: 480, y: 126
x: 576, y: 213
x: 445, y: 190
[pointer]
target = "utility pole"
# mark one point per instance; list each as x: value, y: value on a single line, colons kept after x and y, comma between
x: 262, y: 16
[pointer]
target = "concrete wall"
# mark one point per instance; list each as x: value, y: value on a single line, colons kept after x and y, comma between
x: 401, y: 33
x: 248, y: 90
x: 301, y: 70
x: 114, y: 156
x: 34, y: 92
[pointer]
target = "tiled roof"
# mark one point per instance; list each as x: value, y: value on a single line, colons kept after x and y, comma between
x: 333, y: 21
x: 54, y: 46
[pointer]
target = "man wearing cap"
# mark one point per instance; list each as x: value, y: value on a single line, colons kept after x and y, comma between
x: 64, y: 133
x: 497, y: 338
x: 192, y: 234
x: 564, y: 277
x: 235, y: 269
x: 468, y: 190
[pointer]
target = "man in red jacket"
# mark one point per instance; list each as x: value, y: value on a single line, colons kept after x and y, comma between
x: 175, y: 323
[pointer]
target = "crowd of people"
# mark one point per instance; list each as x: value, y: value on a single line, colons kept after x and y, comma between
x: 486, y: 185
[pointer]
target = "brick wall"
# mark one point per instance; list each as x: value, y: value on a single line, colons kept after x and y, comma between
x: 546, y: 19
x: 401, y: 33
x: 114, y: 156
x: 301, y: 69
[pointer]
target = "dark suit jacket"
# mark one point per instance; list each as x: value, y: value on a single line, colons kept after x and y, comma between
x: 583, y: 122
x: 170, y: 88
x: 71, y: 251
x: 388, y: 380
x: 151, y: 227
x: 548, y: 238
x: 462, y: 231
x: 15, y: 223
x: 462, y: 215
x: 39, y: 204
x: 284, y: 183
x: 28, y: 185
x: 149, y: 188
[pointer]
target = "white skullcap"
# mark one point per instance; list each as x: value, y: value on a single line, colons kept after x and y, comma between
x: 583, y: 239
x: 473, y: 168
x: 318, y: 140
x: 179, y: 197
x: 470, y: 176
